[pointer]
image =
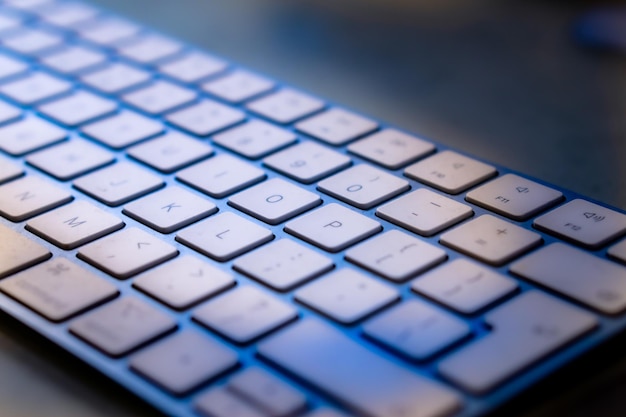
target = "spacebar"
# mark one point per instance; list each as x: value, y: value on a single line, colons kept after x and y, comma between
x: 355, y: 376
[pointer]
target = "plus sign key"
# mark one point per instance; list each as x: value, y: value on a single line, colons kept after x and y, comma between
x: 491, y: 240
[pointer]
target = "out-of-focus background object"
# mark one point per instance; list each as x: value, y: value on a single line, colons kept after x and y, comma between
x: 522, y: 83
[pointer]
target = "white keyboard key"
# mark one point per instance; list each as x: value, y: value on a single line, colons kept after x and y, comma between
x: 269, y: 393
x: 18, y: 252
x: 74, y: 224
x: 583, y: 222
x: 9, y: 22
x: 450, y: 172
x: 171, y: 151
x: 115, y: 78
x: 221, y: 175
x: 596, y: 282
x: 333, y: 227
x: 348, y: 371
x: 255, y: 139
x: 29, y: 196
x: 206, y: 117
x: 238, y: 86
x: 336, y: 126
x: 244, y: 314
x: 346, y: 296
x: 391, y: 148
x: 73, y: 59
x: 395, y: 255
x: 515, y: 197
x: 29, y: 134
x: 424, y: 212
x: 9, y: 170
x: 363, y: 186
x: 78, y: 108
x: 274, y: 201
x: 617, y: 251
x: 67, y: 14
x: 224, y: 236
x: 122, y: 325
x: 127, y: 252
x: 118, y: 183
x: 464, y: 285
x: 8, y: 112
x: 35, y: 87
x: 58, y: 289
x: 286, y: 105
x: 193, y: 67
x: 219, y: 402
x: 170, y: 209
x: 71, y: 159
x: 30, y: 41
x: 183, y: 361
x: 416, y: 329
x: 10, y: 66
x: 184, y: 281
x: 108, y: 31
x: 149, y: 49
x: 307, y: 162
x: 283, y: 264
x: 123, y: 129
x: 527, y: 328
x: 159, y: 97
x: 491, y: 239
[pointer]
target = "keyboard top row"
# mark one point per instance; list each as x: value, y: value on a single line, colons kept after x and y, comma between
x: 225, y: 245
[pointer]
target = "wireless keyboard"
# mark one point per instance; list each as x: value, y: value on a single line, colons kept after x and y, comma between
x: 224, y: 245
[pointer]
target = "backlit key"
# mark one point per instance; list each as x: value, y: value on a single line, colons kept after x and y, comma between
x: 206, y: 117
x: 115, y: 78
x: 29, y: 134
x: 35, y: 87
x: 193, y: 67
x: 149, y: 49
x: 159, y: 97
x: 78, y: 108
x: 73, y: 59
x: 255, y: 139
x: 71, y: 159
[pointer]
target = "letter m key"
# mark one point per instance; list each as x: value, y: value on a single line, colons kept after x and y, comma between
x: 74, y: 222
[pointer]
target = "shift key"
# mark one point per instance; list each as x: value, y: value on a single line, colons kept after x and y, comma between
x: 355, y: 376
x: 525, y: 330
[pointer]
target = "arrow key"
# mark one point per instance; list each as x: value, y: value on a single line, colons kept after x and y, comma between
x: 127, y: 253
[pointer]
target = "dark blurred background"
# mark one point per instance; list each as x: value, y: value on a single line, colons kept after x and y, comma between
x: 511, y: 81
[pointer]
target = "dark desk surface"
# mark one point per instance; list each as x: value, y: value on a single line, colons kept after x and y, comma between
x: 502, y: 80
